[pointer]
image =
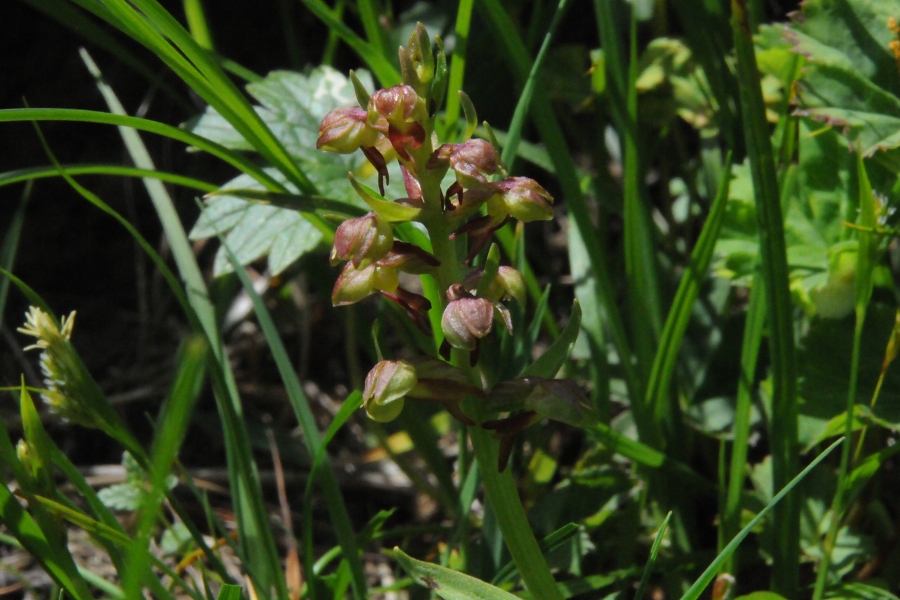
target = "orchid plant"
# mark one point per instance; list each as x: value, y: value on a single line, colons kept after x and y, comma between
x: 397, y: 123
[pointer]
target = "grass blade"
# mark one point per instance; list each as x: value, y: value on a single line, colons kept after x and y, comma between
x: 90, y: 116
x: 688, y: 290
x: 458, y: 62
x: 707, y: 576
x: 511, y: 148
x: 654, y: 552
x: 33, y: 173
x: 256, y: 538
x: 783, y: 434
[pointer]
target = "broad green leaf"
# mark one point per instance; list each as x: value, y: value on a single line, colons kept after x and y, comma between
x: 292, y: 105
x: 253, y: 230
x: 447, y: 583
x: 850, y: 80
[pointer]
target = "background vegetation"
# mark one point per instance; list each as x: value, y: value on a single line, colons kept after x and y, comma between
x: 724, y: 181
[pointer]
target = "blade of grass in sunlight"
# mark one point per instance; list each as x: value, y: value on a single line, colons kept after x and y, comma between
x: 514, y: 133
x: 783, y: 433
x: 641, y: 271
x: 696, y: 590
x: 33, y: 173
x: 458, y: 62
x: 90, y: 116
x: 340, y: 518
x: 197, y: 25
x: 256, y: 538
x: 368, y: 14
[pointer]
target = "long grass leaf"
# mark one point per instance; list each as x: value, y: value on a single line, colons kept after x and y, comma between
x: 33, y: 173
x: 783, y: 432
x: 458, y: 62
x: 171, y: 428
x: 148, y: 125
x: 654, y: 552
x: 256, y: 536
x: 750, y: 344
x: 700, y: 584
x: 688, y: 291
x: 511, y: 148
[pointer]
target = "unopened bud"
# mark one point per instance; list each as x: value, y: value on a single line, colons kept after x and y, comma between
x: 466, y: 319
x: 386, y: 386
x: 354, y: 284
x: 522, y: 198
x: 344, y: 130
x: 368, y: 237
x: 400, y: 106
x: 473, y: 162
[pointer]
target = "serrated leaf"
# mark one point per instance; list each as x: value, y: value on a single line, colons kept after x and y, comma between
x: 292, y: 105
x: 851, y: 79
x: 253, y: 230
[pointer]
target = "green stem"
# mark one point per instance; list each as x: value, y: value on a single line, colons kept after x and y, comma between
x: 499, y: 488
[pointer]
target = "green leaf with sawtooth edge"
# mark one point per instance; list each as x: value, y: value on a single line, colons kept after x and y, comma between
x: 292, y: 105
x: 851, y: 78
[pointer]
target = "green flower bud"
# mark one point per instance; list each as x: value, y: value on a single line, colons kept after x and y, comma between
x: 466, y: 319
x: 507, y: 283
x: 522, y: 198
x: 387, y: 384
x: 363, y: 238
x: 354, y: 283
x: 344, y: 130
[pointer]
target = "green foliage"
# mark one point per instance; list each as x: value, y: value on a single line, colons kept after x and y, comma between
x: 292, y: 106
x: 127, y: 496
x: 692, y: 171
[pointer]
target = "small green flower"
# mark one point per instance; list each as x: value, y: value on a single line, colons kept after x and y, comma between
x: 387, y: 385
